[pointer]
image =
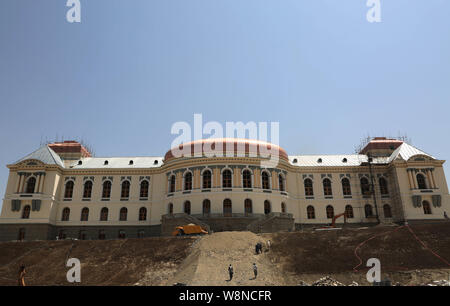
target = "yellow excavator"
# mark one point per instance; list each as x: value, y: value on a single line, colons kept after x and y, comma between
x: 190, y: 229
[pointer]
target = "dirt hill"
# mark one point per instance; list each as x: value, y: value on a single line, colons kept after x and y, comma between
x: 411, y: 257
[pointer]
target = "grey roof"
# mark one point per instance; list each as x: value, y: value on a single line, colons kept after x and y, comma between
x: 406, y: 151
x: 45, y: 155
x: 118, y: 162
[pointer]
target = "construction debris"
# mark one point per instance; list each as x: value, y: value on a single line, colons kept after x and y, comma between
x: 439, y: 283
x: 327, y: 281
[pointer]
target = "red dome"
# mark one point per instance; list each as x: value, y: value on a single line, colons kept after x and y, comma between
x: 239, y: 146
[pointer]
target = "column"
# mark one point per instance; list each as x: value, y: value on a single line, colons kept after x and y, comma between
x: 38, y: 183
x: 19, y: 182
x: 257, y: 178
x: 432, y: 179
x: 274, y: 180
x: 179, y: 181
x: 430, y: 182
x: 414, y: 178
x: 196, y: 179
x: 42, y: 183
x: 410, y: 178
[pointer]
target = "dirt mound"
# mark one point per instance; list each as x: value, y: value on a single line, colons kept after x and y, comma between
x: 107, y: 262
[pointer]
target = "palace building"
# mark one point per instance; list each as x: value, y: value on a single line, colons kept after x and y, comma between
x: 61, y: 191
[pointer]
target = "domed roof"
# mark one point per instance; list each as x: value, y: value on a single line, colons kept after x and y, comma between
x: 239, y: 147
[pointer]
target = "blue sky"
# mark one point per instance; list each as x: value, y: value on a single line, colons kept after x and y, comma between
x: 130, y: 69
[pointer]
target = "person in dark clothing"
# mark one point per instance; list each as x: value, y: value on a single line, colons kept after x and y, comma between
x: 445, y: 215
x: 230, y: 271
x: 22, y: 272
x: 255, y: 270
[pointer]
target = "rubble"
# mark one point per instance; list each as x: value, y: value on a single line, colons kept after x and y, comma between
x: 439, y: 283
x: 327, y: 281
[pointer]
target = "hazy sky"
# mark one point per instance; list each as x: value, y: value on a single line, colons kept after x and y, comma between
x: 130, y: 69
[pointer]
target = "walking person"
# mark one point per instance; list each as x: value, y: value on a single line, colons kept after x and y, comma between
x: 255, y: 270
x: 268, y: 245
x: 230, y: 271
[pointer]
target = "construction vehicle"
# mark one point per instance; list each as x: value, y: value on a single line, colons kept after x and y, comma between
x: 333, y: 223
x: 189, y: 229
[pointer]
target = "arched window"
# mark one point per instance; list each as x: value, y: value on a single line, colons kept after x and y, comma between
x: 349, y: 212
x: 387, y: 211
x: 247, y: 179
x: 172, y: 183
x: 26, y: 212
x: 144, y: 189
x: 170, y: 209
x: 308, y: 187
x: 421, y: 181
x: 104, y: 214
x: 365, y: 187
x: 226, y: 179
x: 206, y: 179
x: 125, y: 194
x: 248, y: 206
x: 346, y: 189
x: 123, y: 214
x: 68, y: 193
x: 227, y: 208
x: 31, y: 183
x: 65, y: 214
x: 187, y: 207
x: 106, y: 193
x: 311, y: 212
x: 383, y: 186
x: 368, y: 210
x: 327, y: 191
x: 426, y: 208
x: 283, y: 207
x: 206, y: 207
x: 84, y: 214
x: 267, y: 207
x: 330, y: 212
x: 188, y: 181
x: 142, y: 214
x: 265, y: 180
x: 87, y: 191
x: 281, y: 182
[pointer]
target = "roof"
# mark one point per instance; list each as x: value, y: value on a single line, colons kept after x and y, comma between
x: 406, y: 151
x: 328, y: 160
x: 117, y: 162
x: 45, y: 155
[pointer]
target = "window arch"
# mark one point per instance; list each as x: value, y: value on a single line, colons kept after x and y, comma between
x: 143, y: 193
x: 387, y: 211
x: 188, y: 181
x: 267, y: 207
x: 68, y: 193
x: 84, y: 214
x: 308, y: 187
x: 187, y: 207
x: 346, y: 188
x: 368, y: 210
x: 281, y: 182
x: 248, y: 206
x: 421, y: 182
x: 247, y: 179
x: 265, y: 180
x: 206, y: 207
x: 87, y: 190
x: 227, y: 208
x: 26, y: 212
x: 172, y: 183
x: 226, y: 178
x: 330, y: 212
x: 383, y: 186
x: 349, y: 212
x: 365, y: 187
x: 283, y: 207
x: 426, y: 208
x: 104, y: 214
x: 311, y: 213
x: 65, y: 214
x: 327, y: 190
x: 125, y: 193
x: 142, y: 214
x: 123, y: 214
x: 31, y: 184
x: 170, y: 209
x: 206, y: 179
x: 106, y: 193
